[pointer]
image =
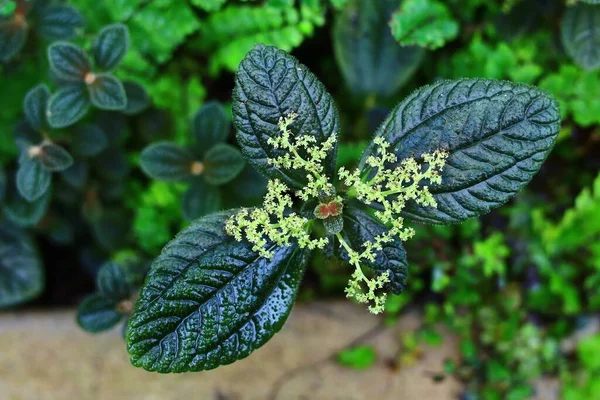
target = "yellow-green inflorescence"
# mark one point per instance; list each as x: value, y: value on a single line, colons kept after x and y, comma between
x: 389, y: 187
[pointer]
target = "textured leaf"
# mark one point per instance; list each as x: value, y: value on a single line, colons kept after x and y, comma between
x: 23, y: 212
x: 270, y: 84
x: 222, y: 164
x: 33, y: 180
x: 68, y: 61
x: 210, y: 301
x: 34, y: 107
x: 360, y: 227
x: 108, y: 93
x: 21, y: 272
x: 367, y: 54
x: 67, y: 106
x: 209, y: 127
x: 199, y: 200
x: 59, y: 21
x: 97, y: 314
x: 110, y: 46
x: 498, y: 134
x: 137, y: 98
x: 89, y: 140
x: 112, y: 282
x: 55, y: 158
x: 425, y: 23
x: 13, y: 35
x: 580, y: 28
x: 166, y: 161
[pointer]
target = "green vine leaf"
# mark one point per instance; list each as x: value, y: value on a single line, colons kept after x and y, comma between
x: 34, y: 107
x: 210, y: 126
x: 112, y: 282
x: 68, y: 61
x: 13, y: 35
x: 54, y: 157
x: 89, y: 140
x: 108, y: 93
x: 222, y: 164
x: 33, y: 180
x: 24, y: 213
x: 137, y: 98
x: 270, y: 84
x: 110, y: 46
x: 97, y: 313
x: 210, y: 301
x: 580, y: 29
x: 67, y: 106
x: 59, y: 21
x: 166, y: 161
x: 497, y: 135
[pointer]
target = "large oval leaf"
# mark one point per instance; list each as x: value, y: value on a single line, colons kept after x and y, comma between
x: 210, y: 301
x: 497, y: 133
x: 366, y: 52
x: 580, y: 28
x: 271, y: 84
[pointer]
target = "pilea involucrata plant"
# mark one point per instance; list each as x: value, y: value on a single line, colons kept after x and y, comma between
x: 449, y: 152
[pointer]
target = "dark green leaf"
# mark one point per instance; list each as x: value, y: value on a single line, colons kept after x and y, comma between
x: 110, y: 46
x: 199, y: 200
x: 360, y: 227
x: 209, y: 127
x: 89, y: 140
x: 222, y: 163
x: 112, y: 282
x: 249, y: 185
x: 23, y: 212
x: 59, y: 21
x: 13, y: 35
x: 367, y: 54
x: 210, y: 301
x: 137, y: 98
x: 21, y: 272
x: 271, y: 84
x: 55, y: 158
x: 67, y: 106
x: 107, y: 93
x: 76, y: 176
x: 33, y: 180
x: 580, y: 28
x: 112, y: 164
x: 111, y: 229
x: 68, y: 61
x: 166, y: 161
x: 497, y: 134
x: 34, y: 107
x: 96, y: 313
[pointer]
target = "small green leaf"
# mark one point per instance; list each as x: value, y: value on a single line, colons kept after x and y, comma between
x: 497, y: 135
x: 199, y: 200
x: 269, y: 85
x: 425, y: 23
x: 13, y: 35
x: 111, y: 229
x: 55, y: 158
x: 112, y: 282
x: 21, y: 272
x: 23, y: 212
x: 209, y: 127
x: 76, y: 176
x: 209, y: 300
x: 137, y: 98
x: 67, y: 106
x: 110, y: 46
x: 166, y: 161
x: 580, y: 28
x: 68, y: 61
x: 33, y: 180
x: 59, y: 21
x: 222, y: 164
x: 34, y: 107
x: 89, y: 140
x: 359, y: 357
x: 97, y: 314
x: 108, y: 93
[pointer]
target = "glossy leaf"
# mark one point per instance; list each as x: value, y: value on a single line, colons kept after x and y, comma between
x: 97, y: 314
x: 367, y: 54
x: 210, y: 126
x: 89, y: 140
x: 34, y: 107
x: 68, y: 61
x: 360, y: 227
x: 33, y: 180
x: 210, y: 301
x: 59, y: 21
x: 137, y: 98
x: 55, y: 158
x: 199, y: 200
x: 67, y: 106
x: 13, y: 35
x: 108, y: 93
x: 21, y: 272
x: 497, y: 134
x: 112, y: 282
x: 271, y: 84
x: 580, y: 28
x: 222, y: 164
x: 166, y: 161
x: 110, y: 46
